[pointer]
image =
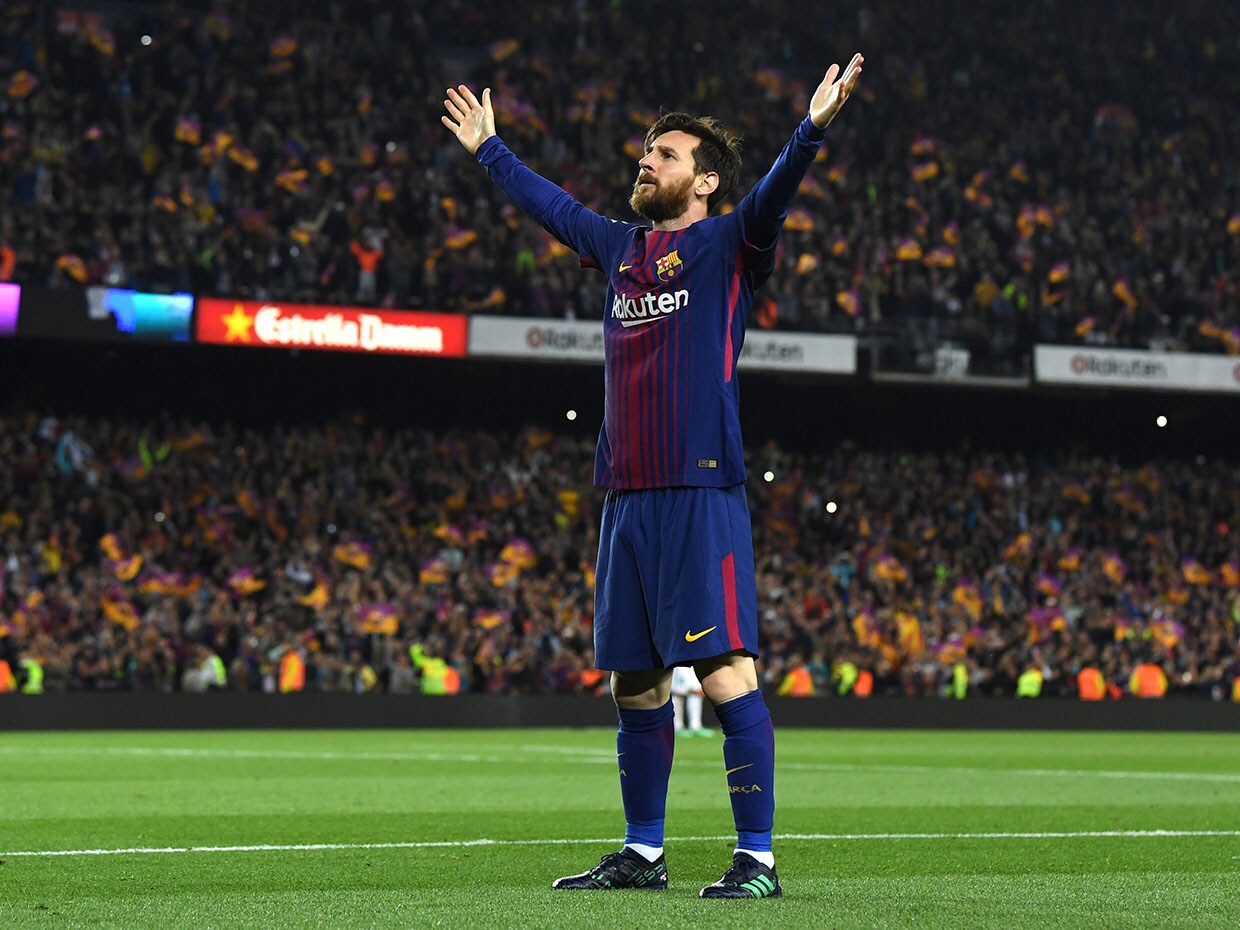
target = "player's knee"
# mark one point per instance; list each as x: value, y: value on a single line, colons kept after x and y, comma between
x: 641, y: 690
x: 726, y: 677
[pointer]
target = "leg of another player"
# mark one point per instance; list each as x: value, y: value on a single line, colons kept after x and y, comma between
x: 731, y: 683
x: 693, y: 708
x: 678, y: 705
x: 644, y: 746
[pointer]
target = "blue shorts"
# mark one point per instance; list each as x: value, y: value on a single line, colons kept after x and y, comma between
x: 675, y: 579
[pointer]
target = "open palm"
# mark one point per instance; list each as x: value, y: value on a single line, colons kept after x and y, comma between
x: 471, y: 120
x: 831, y: 94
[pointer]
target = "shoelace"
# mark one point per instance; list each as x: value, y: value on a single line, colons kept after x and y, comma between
x: 608, y: 860
x: 734, y: 875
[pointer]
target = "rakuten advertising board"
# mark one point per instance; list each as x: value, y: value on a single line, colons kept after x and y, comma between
x: 1134, y: 368
x: 582, y: 341
x: 330, y: 329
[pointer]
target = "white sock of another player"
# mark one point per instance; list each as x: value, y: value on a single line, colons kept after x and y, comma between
x: 693, y: 704
x: 678, y: 704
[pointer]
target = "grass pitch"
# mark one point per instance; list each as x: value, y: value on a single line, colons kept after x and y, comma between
x: 468, y: 828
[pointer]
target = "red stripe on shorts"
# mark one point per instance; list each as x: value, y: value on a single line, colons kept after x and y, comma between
x: 729, y: 601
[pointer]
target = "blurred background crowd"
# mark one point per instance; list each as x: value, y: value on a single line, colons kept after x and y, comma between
x: 1050, y: 171
x: 161, y: 554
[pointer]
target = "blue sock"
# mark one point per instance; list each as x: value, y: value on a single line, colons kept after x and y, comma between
x: 644, y: 746
x: 749, y: 756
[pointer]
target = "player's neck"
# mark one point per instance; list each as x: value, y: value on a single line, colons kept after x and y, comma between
x: 695, y: 212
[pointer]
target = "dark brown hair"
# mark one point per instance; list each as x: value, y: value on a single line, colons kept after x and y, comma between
x: 718, y: 149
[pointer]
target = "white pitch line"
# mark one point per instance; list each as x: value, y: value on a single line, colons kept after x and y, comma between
x: 172, y: 752
x: 785, y: 837
x: 564, y: 750
x: 606, y: 757
x: 1033, y: 773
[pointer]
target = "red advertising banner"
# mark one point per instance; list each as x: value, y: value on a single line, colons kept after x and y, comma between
x: 332, y: 329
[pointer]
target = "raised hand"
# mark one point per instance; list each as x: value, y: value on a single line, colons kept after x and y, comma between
x: 831, y: 94
x: 471, y: 121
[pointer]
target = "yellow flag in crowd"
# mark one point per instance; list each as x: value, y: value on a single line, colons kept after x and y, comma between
x: 908, y: 249
x: 353, y: 554
x: 1123, y: 292
x: 22, y: 84
x: 119, y: 610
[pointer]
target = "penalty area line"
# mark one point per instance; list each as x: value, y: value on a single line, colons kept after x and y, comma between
x: 465, y: 844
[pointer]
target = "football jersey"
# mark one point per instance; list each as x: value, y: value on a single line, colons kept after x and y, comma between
x: 674, y: 318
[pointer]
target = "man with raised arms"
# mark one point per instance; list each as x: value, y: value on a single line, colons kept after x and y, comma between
x: 675, y: 581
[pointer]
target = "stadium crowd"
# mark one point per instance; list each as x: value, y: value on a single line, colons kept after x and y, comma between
x: 1013, y: 172
x: 162, y: 555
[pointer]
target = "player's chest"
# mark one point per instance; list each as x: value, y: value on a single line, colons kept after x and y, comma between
x: 652, y: 282
x: 652, y: 262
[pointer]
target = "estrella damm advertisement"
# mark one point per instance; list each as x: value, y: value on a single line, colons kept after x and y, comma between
x: 331, y: 329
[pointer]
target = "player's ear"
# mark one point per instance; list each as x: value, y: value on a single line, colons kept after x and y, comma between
x: 708, y: 184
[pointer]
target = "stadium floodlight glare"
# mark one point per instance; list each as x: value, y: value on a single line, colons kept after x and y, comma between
x: 1161, y: 421
x: 146, y: 40
x: 831, y: 508
x: 768, y: 476
x: 572, y: 414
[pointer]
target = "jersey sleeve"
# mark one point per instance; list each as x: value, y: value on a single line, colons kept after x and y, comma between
x: 594, y: 238
x: 763, y: 209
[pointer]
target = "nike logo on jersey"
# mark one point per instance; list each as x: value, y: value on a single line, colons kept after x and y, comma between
x: 694, y: 637
x: 738, y: 768
x: 624, y: 268
x: 634, y: 311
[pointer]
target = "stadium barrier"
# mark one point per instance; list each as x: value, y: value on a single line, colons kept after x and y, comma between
x: 115, y: 315
x: 1092, y: 367
x: 236, y: 710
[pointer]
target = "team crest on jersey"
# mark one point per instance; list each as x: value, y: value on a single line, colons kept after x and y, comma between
x: 667, y: 266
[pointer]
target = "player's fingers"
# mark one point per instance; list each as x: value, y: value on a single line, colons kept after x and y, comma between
x: 469, y: 96
x: 830, y: 76
x: 451, y: 125
x: 456, y: 104
x: 486, y: 99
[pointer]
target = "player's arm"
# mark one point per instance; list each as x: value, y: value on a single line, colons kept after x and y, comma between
x: 472, y: 121
x: 764, y: 208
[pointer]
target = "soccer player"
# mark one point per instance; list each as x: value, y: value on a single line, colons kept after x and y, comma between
x: 675, y: 581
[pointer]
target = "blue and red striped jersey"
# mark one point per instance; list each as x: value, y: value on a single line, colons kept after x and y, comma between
x: 674, y: 319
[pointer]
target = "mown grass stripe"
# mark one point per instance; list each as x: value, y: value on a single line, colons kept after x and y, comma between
x: 586, y: 756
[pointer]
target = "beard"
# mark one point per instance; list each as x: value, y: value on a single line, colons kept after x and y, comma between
x: 659, y: 204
